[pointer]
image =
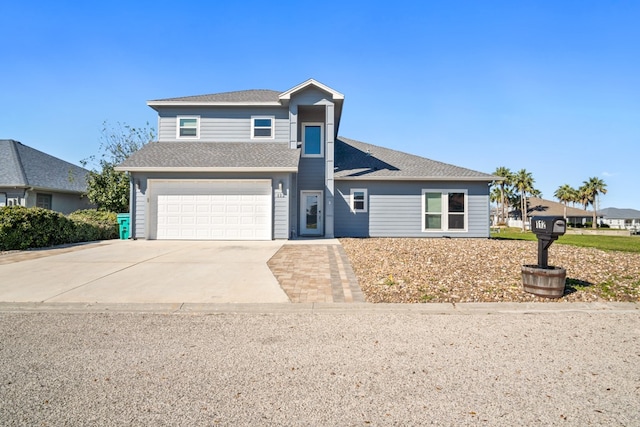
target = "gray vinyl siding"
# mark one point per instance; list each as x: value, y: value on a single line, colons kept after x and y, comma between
x: 395, y: 209
x: 139, y: 213
x: 224, y: 124
x: 281, y: 202
x: 311, y: 173
x: 144, y: 208
x: 312, y: 96
x: 347, y: 223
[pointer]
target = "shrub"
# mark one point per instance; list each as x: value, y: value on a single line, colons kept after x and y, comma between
x: 95, y: 225
x: 23, y: 228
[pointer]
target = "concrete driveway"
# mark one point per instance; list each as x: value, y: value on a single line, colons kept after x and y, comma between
x: 126, y: 271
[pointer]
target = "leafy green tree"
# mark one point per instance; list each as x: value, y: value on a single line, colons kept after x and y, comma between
x: 565, y: 193
x: 523, y: 181
x: 589, y: 192
x: 108, y: 188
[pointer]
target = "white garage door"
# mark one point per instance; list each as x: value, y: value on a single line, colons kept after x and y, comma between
x: 214, y: 209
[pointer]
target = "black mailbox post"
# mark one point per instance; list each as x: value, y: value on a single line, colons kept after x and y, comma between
x: 547, y: 229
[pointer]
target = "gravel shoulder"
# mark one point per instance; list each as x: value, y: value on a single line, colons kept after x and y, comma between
x: 404, y: 270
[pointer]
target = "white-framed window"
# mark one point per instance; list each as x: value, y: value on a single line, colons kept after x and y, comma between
x: 43, y: 201
x: 358, y: 200
x: 188, y: 127
x: 444, y: 210
x: 262, y: 127
x: 312, y: 139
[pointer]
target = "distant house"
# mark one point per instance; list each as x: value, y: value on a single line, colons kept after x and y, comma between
x: 29, y: 177
x: 265, y: 164
x: 628, y: 219
x: 541, y: 207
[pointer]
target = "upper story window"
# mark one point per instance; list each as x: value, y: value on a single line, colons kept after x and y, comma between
x: 262, y: 127
x: 188, y: 127
x: 444, y: 210
x: 312, y: 139
x: 358, y: 200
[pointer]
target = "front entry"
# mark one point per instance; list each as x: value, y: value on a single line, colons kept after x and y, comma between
x: 311, y: 213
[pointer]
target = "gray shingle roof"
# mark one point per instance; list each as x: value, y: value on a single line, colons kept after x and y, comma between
x: 355, y: 159
x: 22, y: 166
x: 616, y: 213
x: 208, y: 155
x: 542, y: 207
x: 242, y: 96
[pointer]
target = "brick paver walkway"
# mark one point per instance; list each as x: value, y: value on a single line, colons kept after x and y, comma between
x: 315, y: 273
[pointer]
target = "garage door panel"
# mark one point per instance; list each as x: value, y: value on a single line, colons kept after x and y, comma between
x: 214, y: 210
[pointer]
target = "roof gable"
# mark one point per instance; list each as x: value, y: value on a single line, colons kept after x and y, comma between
x: 359, y: 160
x: 285, y: 96
x: 23, y: 166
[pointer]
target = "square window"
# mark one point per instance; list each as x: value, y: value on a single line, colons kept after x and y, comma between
x: 312, y: 140
x: 188, y: 127
x: 444, y: 210
x: 43, y: 201
x: 262, y: 127
x: 358, y: 200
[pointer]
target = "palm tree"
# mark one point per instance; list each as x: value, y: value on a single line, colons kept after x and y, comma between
x: 565, y: 193
x: 590, y: 191
x: 523, y: 181
x: 503, y: 184
x: 495, y: 196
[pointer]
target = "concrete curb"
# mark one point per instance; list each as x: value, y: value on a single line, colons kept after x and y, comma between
x: 325, y: 308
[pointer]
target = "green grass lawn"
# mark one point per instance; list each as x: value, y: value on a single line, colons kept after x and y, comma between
x: 607, y: 243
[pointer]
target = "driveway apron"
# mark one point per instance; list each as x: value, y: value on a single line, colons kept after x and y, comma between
x: 145, y: 272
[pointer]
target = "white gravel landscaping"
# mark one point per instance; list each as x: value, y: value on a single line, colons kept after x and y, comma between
x: 484, y: 270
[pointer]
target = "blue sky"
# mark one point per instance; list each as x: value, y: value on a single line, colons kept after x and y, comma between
x: 549, y: 86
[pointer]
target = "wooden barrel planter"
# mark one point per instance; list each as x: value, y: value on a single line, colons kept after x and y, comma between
x: 544, y: 282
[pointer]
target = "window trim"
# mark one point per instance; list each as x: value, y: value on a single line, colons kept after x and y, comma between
x: 352, y: 201
x: 272, y: 127
x: 444, y: 194
x: 178, y: 127
x: 304, y: 126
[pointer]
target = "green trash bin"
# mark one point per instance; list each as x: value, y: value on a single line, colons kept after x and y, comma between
x: 124, y: 225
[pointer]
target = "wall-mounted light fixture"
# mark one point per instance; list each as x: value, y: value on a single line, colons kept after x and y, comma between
x: 280, y: 185
x: 138, y: 184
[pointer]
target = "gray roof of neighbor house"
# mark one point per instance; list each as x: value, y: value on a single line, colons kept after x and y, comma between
x: 22, y: 167
x: 542, y: 207
x: 241, y: 96
x: 359, y: 160
x: 212, y: 156
x: 615, y: 213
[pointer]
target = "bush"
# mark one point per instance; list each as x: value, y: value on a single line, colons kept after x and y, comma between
x: 23, y: 228
x: 95, y: 225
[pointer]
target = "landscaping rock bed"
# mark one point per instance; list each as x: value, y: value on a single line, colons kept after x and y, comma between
x: 484, y: 270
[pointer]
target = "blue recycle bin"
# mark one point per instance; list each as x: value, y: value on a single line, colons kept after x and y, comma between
x: 124, y: 220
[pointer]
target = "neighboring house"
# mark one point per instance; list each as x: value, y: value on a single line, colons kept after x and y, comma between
x: 263, y: 164
x: 627, y: 219
x: 29, y: 177
x: 541, y: 207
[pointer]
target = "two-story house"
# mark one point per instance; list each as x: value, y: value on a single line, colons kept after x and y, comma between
x: 263, y: 164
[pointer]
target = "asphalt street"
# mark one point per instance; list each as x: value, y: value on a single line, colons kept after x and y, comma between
x: 349, y: 367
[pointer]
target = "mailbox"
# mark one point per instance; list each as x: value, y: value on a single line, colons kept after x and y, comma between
x: 547, y: 229
x: 548, y: 225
